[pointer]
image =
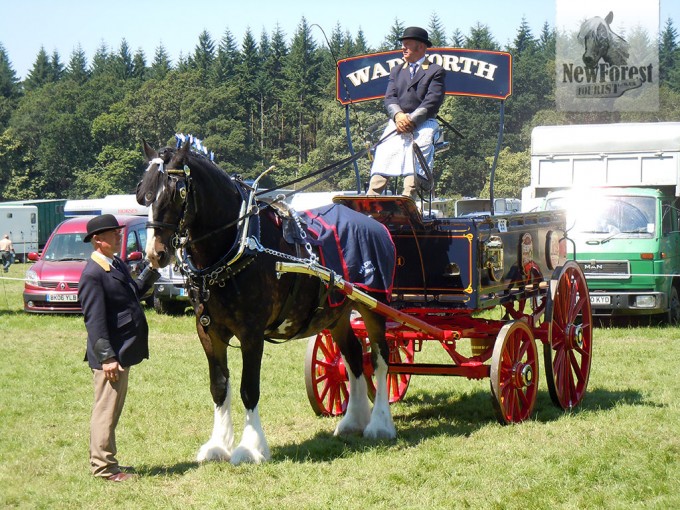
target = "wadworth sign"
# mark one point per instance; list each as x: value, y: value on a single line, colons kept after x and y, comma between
x: 476, y: 73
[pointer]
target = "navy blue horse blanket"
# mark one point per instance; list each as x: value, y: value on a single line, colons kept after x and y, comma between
x: 354, y: 246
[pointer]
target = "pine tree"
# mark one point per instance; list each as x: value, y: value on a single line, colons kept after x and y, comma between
x: 204, y: 53
x: 302, y: 89
x: 246, y: 77
x: 227, y: 58
x: 41, y: 72
x: 161, y: 64
x: 480, y: 38
x: 57, y: 66
x: 361, y: 47
x: 9, y: 84
x: 273, y: 74
x: 76, y: 69
x: 436, y: 31
x: 101, y: 61
x: 669, y: 53
x: 458, y: 39
x: 122, y: 62
x: 139, y: 69
x: 392, y: 41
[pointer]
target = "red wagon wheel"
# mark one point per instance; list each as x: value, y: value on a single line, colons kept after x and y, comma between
x: 326, y: 375
x: 514, y: 373
x: 568, y: 352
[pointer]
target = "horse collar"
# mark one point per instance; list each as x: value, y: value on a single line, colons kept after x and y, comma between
x: 240, y: 255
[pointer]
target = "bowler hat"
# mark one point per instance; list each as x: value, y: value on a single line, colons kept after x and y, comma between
x: 417, y: 33
x: 100, y: 224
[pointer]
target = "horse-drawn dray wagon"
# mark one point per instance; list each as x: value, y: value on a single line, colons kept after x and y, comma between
x: 253, y: 274
x: 448, y: 271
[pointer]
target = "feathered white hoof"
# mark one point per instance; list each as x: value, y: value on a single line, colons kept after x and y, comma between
x: 243, y: 455
x: 212, y: 452
x: 379, y: 429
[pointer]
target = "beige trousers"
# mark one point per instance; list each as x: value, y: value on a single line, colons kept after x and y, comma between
x: 109, y: 398
x: 378, y: 183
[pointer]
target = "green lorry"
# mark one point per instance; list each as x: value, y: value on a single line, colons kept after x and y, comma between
x: 620, y: 186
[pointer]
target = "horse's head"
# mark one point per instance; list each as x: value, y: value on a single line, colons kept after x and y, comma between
x: 164, y: 190
x: 600, y: 42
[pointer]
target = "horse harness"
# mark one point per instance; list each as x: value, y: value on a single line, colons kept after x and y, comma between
x: 243, y: 251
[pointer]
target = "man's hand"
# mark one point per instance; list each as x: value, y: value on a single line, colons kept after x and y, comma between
x: 404, y: 123
x: 111, y: 368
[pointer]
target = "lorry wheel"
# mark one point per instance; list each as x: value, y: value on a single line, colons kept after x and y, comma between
x: 673, y: 315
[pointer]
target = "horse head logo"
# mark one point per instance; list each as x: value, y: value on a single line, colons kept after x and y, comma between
x: 600, y: 42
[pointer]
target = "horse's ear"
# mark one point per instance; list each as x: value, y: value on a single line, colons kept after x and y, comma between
x: 609, y: 18
x: 148, y: 151
x: 185, y: 147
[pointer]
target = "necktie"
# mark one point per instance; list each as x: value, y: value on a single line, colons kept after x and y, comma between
x: 413, y: 69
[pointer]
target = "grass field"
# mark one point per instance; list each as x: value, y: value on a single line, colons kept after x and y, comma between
x: 620, y: 449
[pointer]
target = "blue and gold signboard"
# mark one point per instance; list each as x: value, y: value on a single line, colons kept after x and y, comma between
x: 476, y: 73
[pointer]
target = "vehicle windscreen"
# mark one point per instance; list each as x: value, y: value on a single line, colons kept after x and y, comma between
x: 608, y: 214
x: 67, y: 247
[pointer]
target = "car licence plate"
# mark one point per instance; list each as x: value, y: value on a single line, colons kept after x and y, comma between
x: 600, y: 300
x: 62, y: 298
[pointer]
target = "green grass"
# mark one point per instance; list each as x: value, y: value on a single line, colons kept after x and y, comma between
x: 620, y: 449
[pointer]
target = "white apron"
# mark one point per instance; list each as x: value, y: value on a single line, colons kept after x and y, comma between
x: 395, y: 155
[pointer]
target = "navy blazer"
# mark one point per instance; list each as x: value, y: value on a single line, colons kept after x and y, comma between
x: 421, y: 96
x: 114, y: 318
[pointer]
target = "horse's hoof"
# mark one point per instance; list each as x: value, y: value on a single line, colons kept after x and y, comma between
x: 213, y: 453
x: 242, y: 455
x: 346, y: 429
x: 381, y: 432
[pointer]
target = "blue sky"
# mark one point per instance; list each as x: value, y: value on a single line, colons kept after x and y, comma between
x: 27, y: 25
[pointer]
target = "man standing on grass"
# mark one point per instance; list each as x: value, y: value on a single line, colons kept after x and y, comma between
x: 6, y: 252
x: 117, y: 337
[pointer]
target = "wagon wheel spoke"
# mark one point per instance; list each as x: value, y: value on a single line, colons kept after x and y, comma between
x: 514, y: 371
x: 568, y: 352
x: 325, y: 376
x: 530, y: 305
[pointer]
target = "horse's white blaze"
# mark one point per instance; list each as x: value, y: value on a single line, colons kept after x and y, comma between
x: 253, y: 446
x: 358, y: 412
x: 151, y: 241
x: 220, y: 445
x: 381, y: 425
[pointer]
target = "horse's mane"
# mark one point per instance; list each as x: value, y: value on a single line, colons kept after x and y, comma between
x: 204, y: 169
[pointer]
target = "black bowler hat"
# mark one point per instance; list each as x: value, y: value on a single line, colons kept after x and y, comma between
x: 100, y: 224
x: 417, y: 33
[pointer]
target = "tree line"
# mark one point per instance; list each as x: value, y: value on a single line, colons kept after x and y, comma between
x: 74, y: 130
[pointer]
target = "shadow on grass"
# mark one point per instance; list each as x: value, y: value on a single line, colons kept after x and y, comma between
x: 430, y: 415
x: 174, y: 470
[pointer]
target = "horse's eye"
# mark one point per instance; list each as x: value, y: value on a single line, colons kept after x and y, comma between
x: 148, y: 197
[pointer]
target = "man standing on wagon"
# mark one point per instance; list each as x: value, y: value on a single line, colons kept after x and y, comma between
x: 415, y: 92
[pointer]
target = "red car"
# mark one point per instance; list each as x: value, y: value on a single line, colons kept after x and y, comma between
x: 51, y: 284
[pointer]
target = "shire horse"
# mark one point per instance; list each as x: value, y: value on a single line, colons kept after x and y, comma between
x: 196, y: 213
